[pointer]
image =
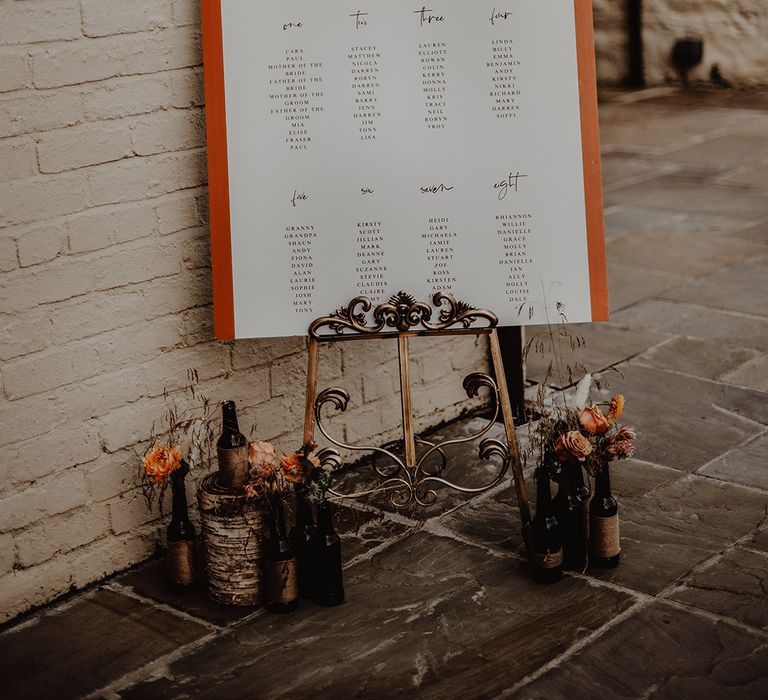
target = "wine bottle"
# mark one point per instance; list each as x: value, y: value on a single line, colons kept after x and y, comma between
x: 572, y: 516
x: 181, y: 535
x: 547, y: 545
x: 282, y: 594
x: 232, y: 450
x: 302, y: 536
x: 329, y: 577
x: 604, y: 544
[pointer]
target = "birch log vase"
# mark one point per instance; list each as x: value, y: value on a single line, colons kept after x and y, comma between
x: 232, y: 528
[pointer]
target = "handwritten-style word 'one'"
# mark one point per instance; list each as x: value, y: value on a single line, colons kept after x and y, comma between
x: 360, y: 19
x: 499, y: 14
x: 426, y: 18
x: 292, y: 25
x: 510, y: 183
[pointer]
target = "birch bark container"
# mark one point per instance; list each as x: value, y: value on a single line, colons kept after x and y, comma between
x: 233, y: 534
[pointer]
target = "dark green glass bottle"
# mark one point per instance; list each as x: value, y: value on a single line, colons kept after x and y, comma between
x: 302, y: 536
x: 181, y: 536
x: 280, y: 575
x: 329, y: 576
x: 545, y: 533
x: 604, y: 543
x: 572, y: 515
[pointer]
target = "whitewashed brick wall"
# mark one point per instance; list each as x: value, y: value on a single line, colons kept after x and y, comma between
x: 735, y: 34
x: 105, y: 291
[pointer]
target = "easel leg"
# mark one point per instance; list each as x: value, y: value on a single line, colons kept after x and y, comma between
x: 309, y: 407
x: 511, y: 433
x: 409, y: 437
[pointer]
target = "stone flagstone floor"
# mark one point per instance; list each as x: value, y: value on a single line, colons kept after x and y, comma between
x: 442, y: 607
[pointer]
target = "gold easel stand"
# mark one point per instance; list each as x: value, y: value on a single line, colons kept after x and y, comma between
x: 408, y: 480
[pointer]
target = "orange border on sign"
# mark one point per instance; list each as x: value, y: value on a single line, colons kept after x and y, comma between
x: 590, y: 146
x: 218, y: 169
x: 218, y: 172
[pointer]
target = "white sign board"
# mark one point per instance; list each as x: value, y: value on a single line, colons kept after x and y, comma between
x: 366, y: 149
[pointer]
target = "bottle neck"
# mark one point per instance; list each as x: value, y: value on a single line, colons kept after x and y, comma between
x: 229, y: 417
x: 179, y: 510
x: 576, y: 477
x: 325, y: 518
x: 603, y: 483
x: 303, y: 512
x: 543, y: 493
x: 277, y: 524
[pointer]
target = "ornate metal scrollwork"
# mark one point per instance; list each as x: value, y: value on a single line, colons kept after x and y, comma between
x: 402, y: 313
x: 412, y: 483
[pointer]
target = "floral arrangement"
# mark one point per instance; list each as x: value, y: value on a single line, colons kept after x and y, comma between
x: 192, y: 425
x: 271, y: 477
x: 588, y: 434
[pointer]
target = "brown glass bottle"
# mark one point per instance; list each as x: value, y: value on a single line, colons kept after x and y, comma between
x: 604, y: 544
x: 281, y: 583
x: 329, y: 577
x: 232, y: 450
x: 181, y: 536
x: 545, y: 533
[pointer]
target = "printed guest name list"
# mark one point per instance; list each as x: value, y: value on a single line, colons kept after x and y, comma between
x: 402, y: 145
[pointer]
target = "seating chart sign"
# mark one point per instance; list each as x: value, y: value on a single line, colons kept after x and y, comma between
x: 363, y: 149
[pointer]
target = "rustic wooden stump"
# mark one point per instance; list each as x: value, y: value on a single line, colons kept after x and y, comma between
x: 233, y: 534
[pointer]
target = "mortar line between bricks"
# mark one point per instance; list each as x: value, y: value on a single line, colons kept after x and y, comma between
x: 105, y: 209
x: 116, y: 587
x: 574, y: 649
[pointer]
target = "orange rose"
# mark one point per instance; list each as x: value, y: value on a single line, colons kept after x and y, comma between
x: 593, y: 420
x: 291, y: 467
x: 616, y: 408
x: 573, y: 445
x: 161, y: 460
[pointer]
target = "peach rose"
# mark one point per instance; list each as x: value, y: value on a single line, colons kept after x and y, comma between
x: 291, y: 467
x: 161, y: 460
x: 593, y: 420
x: 616, y: 408
x: 573, y: 445
x: 262, y: 453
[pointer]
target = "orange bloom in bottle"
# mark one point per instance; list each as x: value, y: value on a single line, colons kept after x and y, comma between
x: 161, y: 460
x: 291, y: 467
